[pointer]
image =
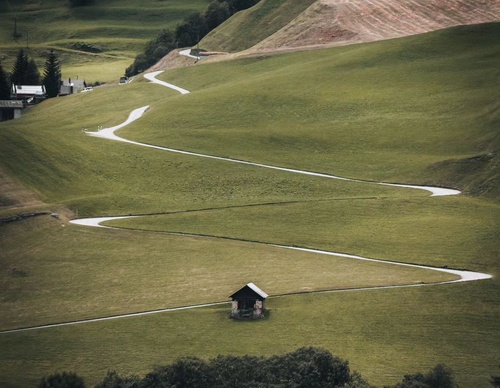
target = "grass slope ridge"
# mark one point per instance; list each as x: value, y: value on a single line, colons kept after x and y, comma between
x: 341, y: 22
x: 251, y: 26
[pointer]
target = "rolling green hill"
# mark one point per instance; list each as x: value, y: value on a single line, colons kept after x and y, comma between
x: 419, y: 110
x: 250, y: 27
x: 432, y: 100
x: 94, y: 42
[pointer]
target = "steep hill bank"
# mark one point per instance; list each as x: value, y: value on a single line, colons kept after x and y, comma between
x: 253, y: 25
x: 342, y: 22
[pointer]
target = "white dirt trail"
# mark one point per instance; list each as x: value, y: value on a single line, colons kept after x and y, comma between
x: 109, y: 133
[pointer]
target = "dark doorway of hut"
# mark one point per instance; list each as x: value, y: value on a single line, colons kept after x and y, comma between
x: 248, y: 303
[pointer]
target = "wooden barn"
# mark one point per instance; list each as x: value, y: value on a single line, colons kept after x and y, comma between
x: 248, y: 303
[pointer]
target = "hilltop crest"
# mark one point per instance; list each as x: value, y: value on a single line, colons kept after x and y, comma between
x: 340, y: 22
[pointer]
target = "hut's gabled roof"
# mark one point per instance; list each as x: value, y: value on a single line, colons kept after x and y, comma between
x: 250, y: 288
x: 257, y: 290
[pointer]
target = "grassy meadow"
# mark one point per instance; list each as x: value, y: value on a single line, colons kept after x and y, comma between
x: 419, y: 110
x: 95, y: 43
x: 411, y: 108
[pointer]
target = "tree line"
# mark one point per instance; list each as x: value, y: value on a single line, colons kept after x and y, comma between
x: 25, y: 72
x: 187, y: 33
x: 306, y: 367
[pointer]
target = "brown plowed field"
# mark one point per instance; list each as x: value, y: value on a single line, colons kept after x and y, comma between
x: 340, y: 22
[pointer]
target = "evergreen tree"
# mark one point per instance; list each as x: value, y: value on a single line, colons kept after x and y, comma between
x: 216, y: 14
x: 32, y: 76
x: 20, y: 68
x: 52, y: 75
x: 4, y: 85
x: 191, y: 30
x: 25, y: 71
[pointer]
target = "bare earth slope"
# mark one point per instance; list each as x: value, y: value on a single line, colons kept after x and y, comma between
x: 341, y: 22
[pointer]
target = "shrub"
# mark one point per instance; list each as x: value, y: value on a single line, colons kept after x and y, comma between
x: 62, y: 380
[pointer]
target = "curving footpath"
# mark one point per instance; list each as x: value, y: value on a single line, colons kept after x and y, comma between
x: 109, y: 133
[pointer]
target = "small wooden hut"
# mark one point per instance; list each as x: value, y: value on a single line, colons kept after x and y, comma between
x: 248, y: 302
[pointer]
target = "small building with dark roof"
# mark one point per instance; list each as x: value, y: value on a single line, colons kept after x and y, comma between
x: 248, y: 302
x: 10, y: 109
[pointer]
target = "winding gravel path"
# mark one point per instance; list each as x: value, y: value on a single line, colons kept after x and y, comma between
x: 109, y: 133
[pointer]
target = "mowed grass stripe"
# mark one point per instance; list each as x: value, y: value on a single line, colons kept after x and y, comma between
x: 123, y: 277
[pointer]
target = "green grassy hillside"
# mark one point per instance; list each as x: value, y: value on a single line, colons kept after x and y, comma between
x: 251, y: 26
x: 431, y: 102
x: 95, y: 42
x: 418, y: 110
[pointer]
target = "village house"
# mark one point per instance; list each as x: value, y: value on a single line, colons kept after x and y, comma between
x: 30, y: 94
x: 248, y: 303
x: 10, y: 110
x: 69, y: 86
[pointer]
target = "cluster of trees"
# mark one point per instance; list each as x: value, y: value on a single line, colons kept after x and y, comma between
x: 439, y: 377
x: 25, y: 72
x: 306, y: 367
x: 188, y: 33
x: 80, y: 3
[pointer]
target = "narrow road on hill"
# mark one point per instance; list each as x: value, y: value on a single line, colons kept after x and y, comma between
x: 109, y: 133
x: 463, y: 276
